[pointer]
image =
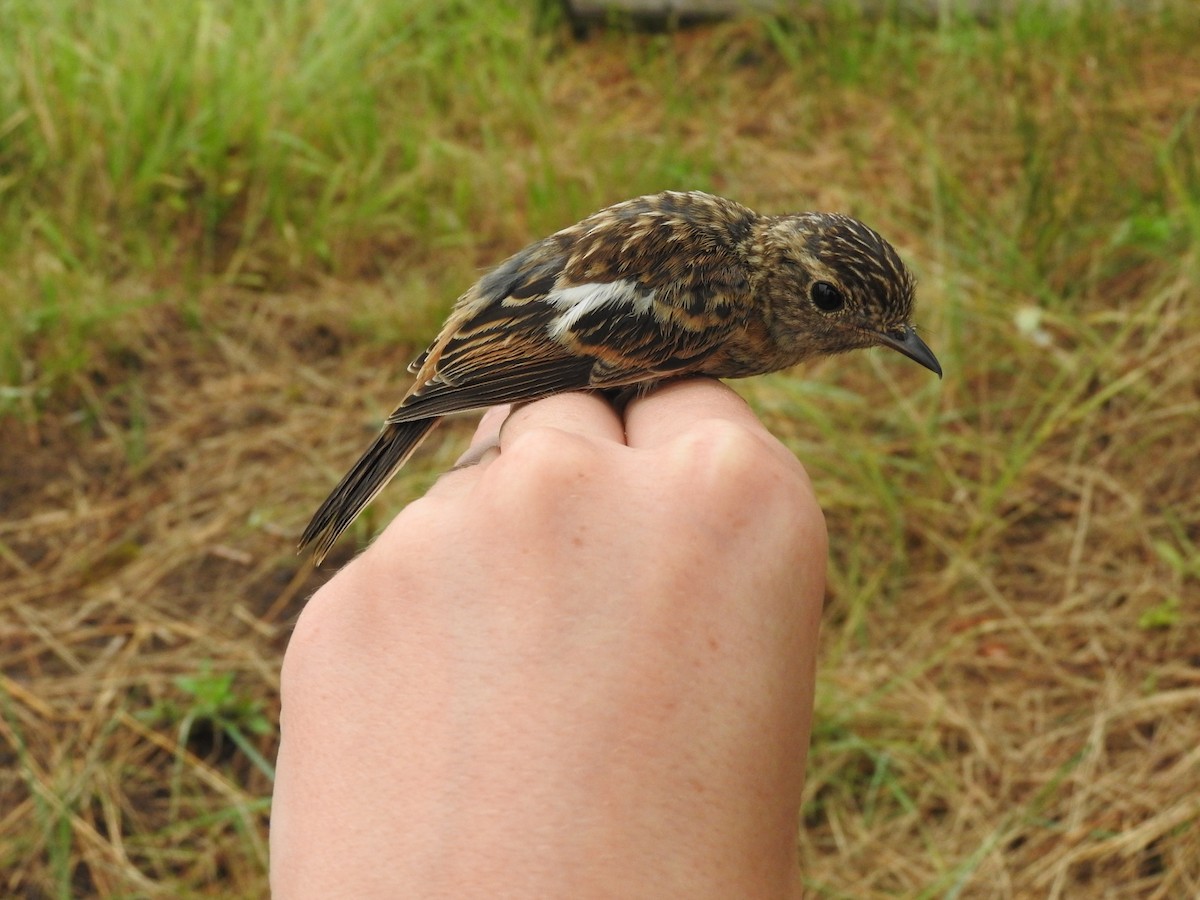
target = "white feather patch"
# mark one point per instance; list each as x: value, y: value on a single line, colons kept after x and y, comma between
x: 581, y: 299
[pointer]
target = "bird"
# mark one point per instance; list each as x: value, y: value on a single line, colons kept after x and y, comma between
x: 650, y: 289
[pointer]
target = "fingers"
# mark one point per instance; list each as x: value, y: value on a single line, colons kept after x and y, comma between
x: 665, y: 413
x: 653, y: 420
x: 699, y: 408
x: 484, y: 448
x: 586, y: 415
x: 485, y: 443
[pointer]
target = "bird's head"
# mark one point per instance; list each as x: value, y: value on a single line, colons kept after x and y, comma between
x: 831, y: 284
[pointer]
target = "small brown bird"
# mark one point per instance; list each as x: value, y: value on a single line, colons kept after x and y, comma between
x: 654, y: 288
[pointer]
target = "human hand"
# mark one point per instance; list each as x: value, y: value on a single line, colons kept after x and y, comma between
x: 582, y: 666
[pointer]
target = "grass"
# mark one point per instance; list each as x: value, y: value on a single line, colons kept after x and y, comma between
x: 224, y: 226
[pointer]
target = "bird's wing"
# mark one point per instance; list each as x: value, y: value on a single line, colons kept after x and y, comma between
x: 578, y: 310
x: 600, y: 335
x: 587, y: 336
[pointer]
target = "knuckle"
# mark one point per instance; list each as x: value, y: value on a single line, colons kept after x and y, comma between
x: 546, y: 449
x: 726, y: 457
x: 722, y: 441
x: 541, y: 461
x: 747, y: 494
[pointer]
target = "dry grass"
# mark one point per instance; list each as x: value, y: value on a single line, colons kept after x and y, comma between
x: 1010, y: 694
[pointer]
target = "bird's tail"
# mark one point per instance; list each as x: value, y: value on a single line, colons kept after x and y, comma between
x: 370, y: 474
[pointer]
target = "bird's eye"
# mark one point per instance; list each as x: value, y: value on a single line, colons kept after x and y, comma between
x: 826, y: 297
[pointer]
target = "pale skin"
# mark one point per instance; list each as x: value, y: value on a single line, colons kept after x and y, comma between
x: 581, y: 667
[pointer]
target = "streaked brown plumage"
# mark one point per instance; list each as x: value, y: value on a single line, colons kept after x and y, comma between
x: 653, y: 288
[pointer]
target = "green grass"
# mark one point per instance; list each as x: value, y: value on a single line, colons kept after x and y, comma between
x: 224, y: 226
x: 264, y: 144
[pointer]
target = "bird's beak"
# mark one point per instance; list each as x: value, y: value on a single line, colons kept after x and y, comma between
x: 913, y: 347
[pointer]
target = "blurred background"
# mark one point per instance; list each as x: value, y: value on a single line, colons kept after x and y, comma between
x: 226, y: 227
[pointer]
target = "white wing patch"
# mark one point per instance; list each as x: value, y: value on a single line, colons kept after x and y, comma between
x: 581, y: 299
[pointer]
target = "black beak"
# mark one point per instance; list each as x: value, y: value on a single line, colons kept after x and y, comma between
x: 913, y: 347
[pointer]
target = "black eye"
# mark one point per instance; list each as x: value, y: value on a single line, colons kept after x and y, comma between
x: 826, y: 297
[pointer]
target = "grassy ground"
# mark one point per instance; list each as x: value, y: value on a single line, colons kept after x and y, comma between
x: 224, y: 226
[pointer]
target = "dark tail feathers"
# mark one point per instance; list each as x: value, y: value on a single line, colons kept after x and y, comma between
x: 370, y: 474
